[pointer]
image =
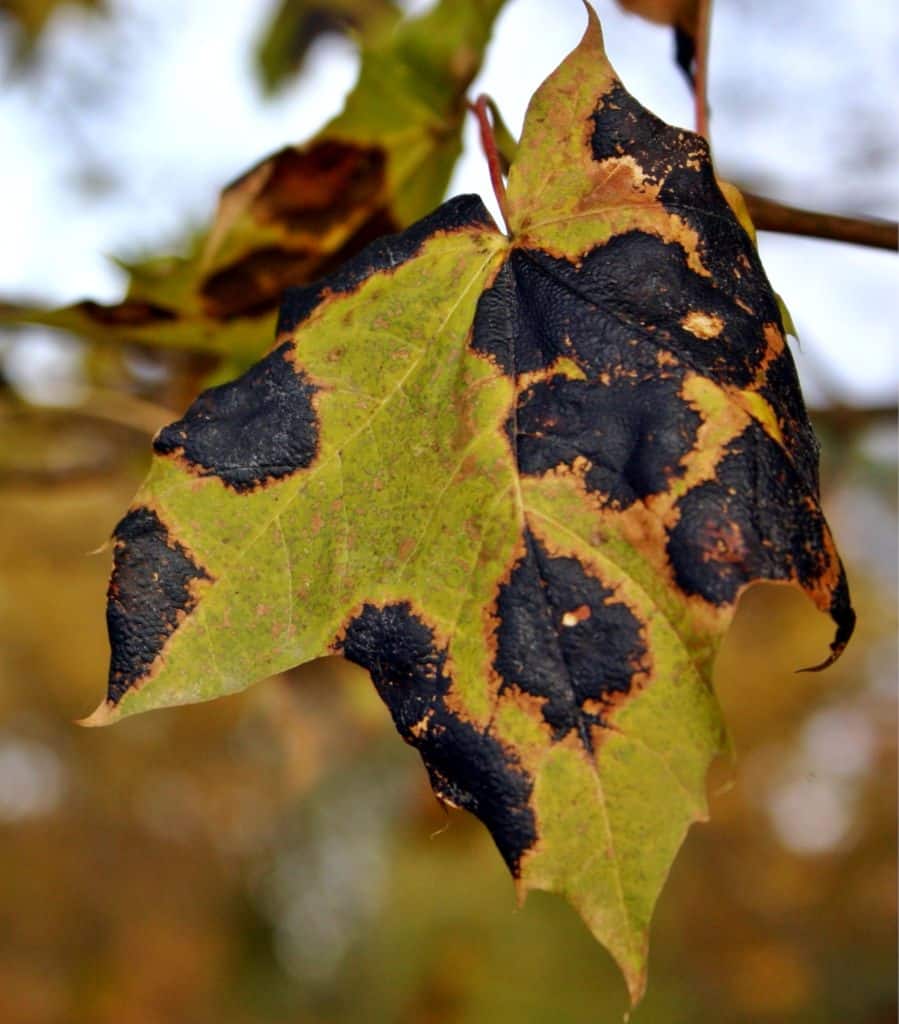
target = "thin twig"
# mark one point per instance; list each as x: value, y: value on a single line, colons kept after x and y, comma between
x: 769, y: 215
x: 701, y: 67
x: 488, y: 143
x: 848, y: 420
x: 506, y: 143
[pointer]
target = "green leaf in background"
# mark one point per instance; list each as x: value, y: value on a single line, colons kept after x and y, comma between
x: 377, y: 167
x: 297, y: 24
x: 523, y: 480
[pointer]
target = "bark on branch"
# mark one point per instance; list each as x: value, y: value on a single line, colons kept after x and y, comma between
x: 769, y: 215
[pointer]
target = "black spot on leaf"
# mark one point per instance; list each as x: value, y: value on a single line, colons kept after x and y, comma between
x: 562, y: 636
x: 843, y: 614
x: 259, y: 427
x: 616, y: 310
x: 624, y: 127
x: 511, y: 323
x: 781, y: 390
x: 150, y: 589
x: 297, y: 304
x: 467, y: 767
x: 678, y: 162
x: 398, y: 650
x: 633, y: 433
x: 628, y: 300
x: 496, y: 323
x: 384, y: 254
x: 756, y: 520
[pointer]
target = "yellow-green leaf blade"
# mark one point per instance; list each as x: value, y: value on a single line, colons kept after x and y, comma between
x: 362, y: 502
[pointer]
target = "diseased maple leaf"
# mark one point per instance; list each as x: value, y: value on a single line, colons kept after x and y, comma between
x: 521, y: 479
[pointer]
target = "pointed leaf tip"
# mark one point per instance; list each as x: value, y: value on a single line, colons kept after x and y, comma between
x: 636, y: 986
x: 105, y: 714
x: 845, y: 629
x: 593, y: 36
x: 593, y: 23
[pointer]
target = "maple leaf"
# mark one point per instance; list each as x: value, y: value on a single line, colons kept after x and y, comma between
x: 523, y: 480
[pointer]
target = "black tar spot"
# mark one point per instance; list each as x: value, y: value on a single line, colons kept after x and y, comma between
x: 517, y: 319
x: 626, y: 300
x: 497, y: 322
x: 625, y: 307
x: 624, y: 127
x: 622, y: 313
x: 679, y: 162
x: 781, y: 390
x: 259, y: 427
x: 595, y: 656
x: 755, y: 520
x: 384, y: 254
x: 148, y: 590
x: 467, y: 767
x: 843, y: 614
x: 634, y: 433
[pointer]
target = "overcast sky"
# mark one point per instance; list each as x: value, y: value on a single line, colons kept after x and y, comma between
x: 122, y: 137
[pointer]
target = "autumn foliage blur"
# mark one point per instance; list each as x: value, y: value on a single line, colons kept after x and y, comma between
x: 278, y: 856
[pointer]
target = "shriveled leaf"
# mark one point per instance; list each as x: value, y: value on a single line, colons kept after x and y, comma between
x: 523, y: 481
x: 664, y: 12
x: 377, y: 167
x: 682, y: 15
x: 380, y: 165
x: 162, y: 309
x: 296, y: 24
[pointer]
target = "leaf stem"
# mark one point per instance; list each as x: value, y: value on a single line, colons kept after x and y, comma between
x: 480, y: 108
x: 769, y: 215
x: 701, y: 67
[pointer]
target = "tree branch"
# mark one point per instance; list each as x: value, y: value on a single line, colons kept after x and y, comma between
x: 769, y: 215
x: 849, y: 419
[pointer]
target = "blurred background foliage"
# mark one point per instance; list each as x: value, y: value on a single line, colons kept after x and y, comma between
x: 278, y: 856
